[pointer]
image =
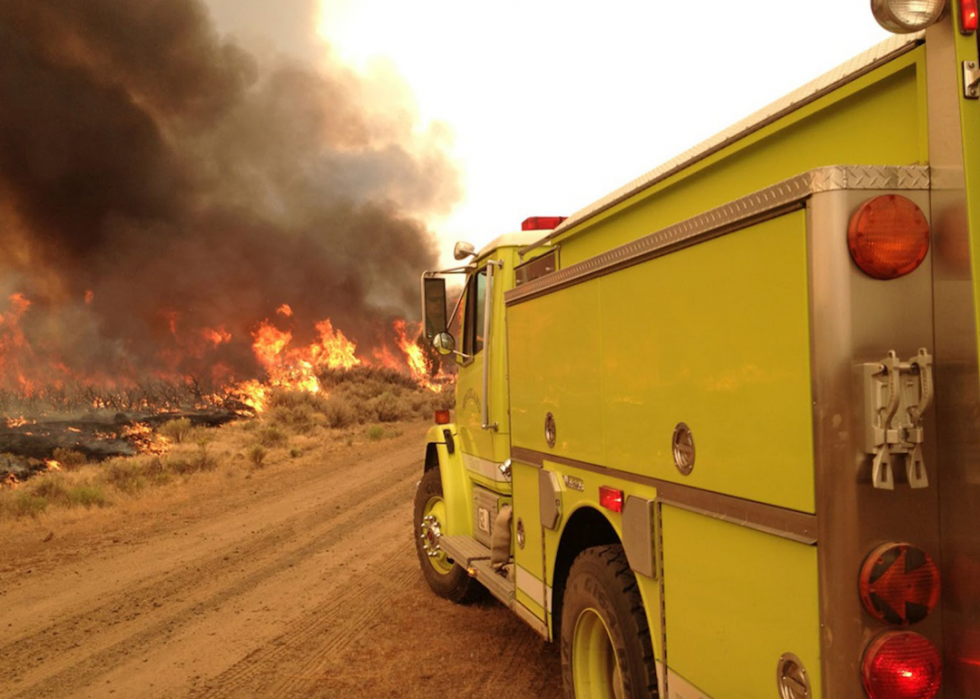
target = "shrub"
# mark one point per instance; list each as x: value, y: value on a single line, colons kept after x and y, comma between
x: 272, y: 437
x: 293, y: 399
x: 205, y: 460
x: 295, y: 453
x: 22, y: 504
x: 339, y: 413
x: 50, y: 486
x: 69, y: 458
x: 185, y: 463
x: 257, y: 455
x: 86, y: 495
x: 125, y: 475
x: 389, y: 408
x: 55, y: 489
x: 375, y: 432
x: 176, y: 430
x: 301, y: 419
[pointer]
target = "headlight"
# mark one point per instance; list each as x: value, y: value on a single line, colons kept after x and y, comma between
x: 907, y: 16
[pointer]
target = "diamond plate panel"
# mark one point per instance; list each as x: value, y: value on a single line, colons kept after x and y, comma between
x: 728, y: 217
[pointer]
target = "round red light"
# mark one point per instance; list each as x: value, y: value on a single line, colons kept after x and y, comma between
x: 888, y: 236
x: 899, y: 584
x: 901, y: 665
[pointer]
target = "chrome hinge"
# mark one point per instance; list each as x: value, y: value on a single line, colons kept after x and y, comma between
x: 971, y: 80
x: 896, y: 395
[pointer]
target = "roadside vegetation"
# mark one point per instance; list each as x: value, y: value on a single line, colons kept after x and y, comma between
x: 356, y: 406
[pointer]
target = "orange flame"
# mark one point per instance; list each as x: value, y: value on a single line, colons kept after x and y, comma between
x: 335, y: 351
x: 52, y: 465
x: 415, y: 358
x: 285, y: 363
x: 216, y: 336
x: 142, y: 436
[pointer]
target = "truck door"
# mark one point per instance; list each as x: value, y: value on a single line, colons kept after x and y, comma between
x: 475, y: 441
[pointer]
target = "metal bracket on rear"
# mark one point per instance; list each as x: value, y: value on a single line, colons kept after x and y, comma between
x: 896, y: 395
x: 971, y: 80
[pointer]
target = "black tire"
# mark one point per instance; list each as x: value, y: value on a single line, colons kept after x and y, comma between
x: 602, y: 588
x: 446, y: 577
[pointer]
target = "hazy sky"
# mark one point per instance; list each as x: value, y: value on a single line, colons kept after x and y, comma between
x: 547, y: 106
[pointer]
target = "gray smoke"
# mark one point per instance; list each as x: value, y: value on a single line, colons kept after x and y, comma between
x: 176, y: 180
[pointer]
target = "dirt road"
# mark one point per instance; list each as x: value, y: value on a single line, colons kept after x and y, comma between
x: 293, y: 581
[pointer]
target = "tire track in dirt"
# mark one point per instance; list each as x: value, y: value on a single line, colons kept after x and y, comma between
x: 57, y: 647
x: 322, y: 628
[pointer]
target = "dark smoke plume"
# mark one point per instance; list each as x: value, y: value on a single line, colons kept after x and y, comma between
x: 157, y: 179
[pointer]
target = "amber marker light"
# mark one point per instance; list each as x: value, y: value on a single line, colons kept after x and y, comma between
x: 888, y: 236
x: 901, y: 665
x: 899, y: 584
x: 442, y: 417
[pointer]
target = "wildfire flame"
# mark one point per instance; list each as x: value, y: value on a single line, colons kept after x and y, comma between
x: 144, y: 438
x: 415, y: 358
x: 285, y: 362
x: 297, y: 367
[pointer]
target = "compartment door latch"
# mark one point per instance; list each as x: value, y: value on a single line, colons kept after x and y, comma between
x: 896, y: 396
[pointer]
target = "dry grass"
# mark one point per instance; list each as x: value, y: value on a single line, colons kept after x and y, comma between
x: 357, y: 407
x: 177, y: 430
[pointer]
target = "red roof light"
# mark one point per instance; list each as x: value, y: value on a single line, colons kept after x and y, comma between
x: 541, y: 223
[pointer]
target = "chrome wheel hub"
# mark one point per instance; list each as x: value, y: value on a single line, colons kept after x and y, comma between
x: 431, y: 533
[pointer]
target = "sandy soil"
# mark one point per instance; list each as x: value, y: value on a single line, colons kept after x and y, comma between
x: 297, y: 580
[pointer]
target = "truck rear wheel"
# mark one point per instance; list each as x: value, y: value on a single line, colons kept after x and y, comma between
x: 446, y: 577
x: 606, y: 651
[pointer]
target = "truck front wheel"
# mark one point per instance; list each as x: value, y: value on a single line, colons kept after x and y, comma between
x: 606, y: 651
x: 446, y: 577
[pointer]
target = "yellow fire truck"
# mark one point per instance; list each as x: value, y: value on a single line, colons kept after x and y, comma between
x: 718, y: 434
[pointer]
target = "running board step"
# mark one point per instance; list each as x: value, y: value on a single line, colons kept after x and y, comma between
x: 463, y: 549
x: 475, y: 557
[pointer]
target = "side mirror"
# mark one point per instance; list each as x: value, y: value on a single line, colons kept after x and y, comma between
x: 434, y: 318
x: 463, y: 250
x: 444, y: 343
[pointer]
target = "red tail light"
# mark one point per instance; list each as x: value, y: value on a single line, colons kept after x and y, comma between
x: 610, y: 498
x: 968, y: 16
x: 442, y: 417
x: 888, y: 236
x: 901, y: 665
x: 541, y: 223
x: 899, y: 584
